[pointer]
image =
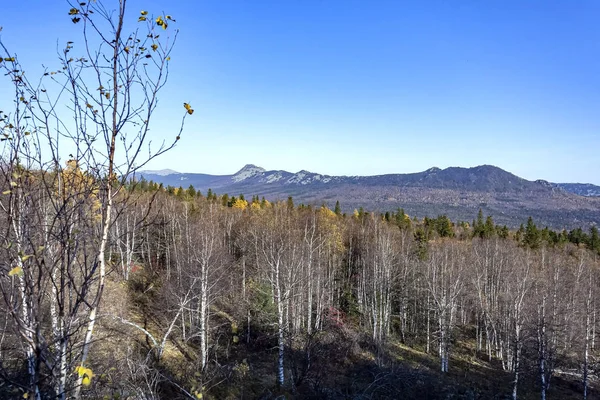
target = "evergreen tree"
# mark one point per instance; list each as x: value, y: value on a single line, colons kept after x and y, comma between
x: 402, y: 219
x: 191, y: 192
x: 545, y: 236
x: 429, y: 226
x: 479, y: 226
x: 290, y: 203
x: 594, y: 239
x: 489, y: 230
x: 231, y: 201
x: 421, y: 244
x: 338, y: 209
x: 532, y: 237
x: 503, y: 232
x: 563, y: 237
x: 519, y: 234
x: 553, y: 237
x: 444, y: 226
x: 578, y: 236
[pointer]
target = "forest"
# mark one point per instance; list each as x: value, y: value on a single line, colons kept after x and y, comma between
x: 118, y: 288
x: 218, y: 297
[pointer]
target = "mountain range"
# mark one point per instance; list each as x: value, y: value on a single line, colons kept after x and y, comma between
x: 457, y: 192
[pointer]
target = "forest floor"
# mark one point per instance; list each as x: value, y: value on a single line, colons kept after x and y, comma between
x: 345, y: 365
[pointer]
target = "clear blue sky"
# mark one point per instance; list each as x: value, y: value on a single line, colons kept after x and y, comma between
x: 368, y: 87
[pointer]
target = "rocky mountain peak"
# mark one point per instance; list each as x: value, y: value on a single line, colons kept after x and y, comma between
x: 248, y: 171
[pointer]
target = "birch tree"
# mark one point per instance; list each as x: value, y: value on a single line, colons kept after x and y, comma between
x: 445, y: 278
x: 71, y: 142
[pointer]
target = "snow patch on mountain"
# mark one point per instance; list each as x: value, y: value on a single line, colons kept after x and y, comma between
x: 277, y: 176
x: 249, y: 171
x: 160, y: 172
x: 297, y: 177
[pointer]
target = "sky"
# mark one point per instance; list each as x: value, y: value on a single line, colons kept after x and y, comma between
x: 365, y: 87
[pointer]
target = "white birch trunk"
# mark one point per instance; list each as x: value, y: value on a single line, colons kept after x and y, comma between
x: 280, y: 328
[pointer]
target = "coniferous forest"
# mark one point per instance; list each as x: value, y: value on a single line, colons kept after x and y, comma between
x: 117, y: 288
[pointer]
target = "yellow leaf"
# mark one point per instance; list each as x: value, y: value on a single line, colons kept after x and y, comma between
x: 144, y: 13
x: 16, y: 271
x: 187, y: 106
x: 86, y: 375
x: 190, y: 111
x: 126, y: 49
x: 25, y: 395
x: 161, y: 22
x: 141, y: 19
x: 25, y: 258
x: 73, y: 11
x: 6, y: 192
x: 107, y: 95
x: 154, y: 46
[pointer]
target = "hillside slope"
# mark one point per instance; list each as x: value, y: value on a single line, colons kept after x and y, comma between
x: 456, y: 192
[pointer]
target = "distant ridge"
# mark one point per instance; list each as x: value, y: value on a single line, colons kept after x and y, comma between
x: 455, y: 191
x: 582, y: 189
x: 160, y: 172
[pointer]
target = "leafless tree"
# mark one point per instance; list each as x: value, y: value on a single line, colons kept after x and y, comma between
x: 93, y: 113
